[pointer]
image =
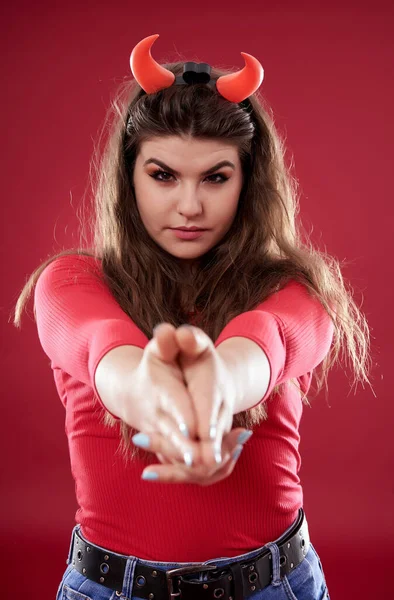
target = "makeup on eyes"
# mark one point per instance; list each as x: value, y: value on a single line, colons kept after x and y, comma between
x: 155, y: 175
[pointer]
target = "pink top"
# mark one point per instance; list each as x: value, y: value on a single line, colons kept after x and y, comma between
x: 79, y: 321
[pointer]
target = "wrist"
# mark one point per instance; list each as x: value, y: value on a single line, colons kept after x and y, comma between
x: 229, y: 354
x: 249, y: 370
x: 114, y: 369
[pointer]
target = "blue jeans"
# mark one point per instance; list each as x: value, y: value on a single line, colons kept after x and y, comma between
x: 305, y: 582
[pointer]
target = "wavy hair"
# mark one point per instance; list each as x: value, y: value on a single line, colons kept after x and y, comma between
x: 265, y: 247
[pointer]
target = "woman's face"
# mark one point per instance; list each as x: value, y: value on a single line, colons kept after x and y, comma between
x: 177, y: 193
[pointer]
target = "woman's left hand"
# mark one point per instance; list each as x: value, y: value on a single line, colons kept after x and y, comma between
x: 211, y: 385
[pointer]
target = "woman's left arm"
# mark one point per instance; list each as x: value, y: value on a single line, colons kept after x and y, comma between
x: 286, y: 336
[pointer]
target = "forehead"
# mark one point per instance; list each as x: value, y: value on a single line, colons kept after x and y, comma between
x: 187, y: 148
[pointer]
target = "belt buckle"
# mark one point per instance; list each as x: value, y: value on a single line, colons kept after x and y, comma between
x: 181, y: 571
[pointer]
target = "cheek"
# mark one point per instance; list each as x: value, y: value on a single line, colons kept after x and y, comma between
x: 224, y: 211
x: 152, y: 207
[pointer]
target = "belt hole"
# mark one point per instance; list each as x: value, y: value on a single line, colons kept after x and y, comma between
x: 283, y: 560
x: 140, y: 581
x: 104, y: 568
x: 79, y: 555
x: 253, y: 577
x: 218, y: 592
x: 302, y: 543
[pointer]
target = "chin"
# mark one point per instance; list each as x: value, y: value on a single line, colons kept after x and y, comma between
x: 190, y: 253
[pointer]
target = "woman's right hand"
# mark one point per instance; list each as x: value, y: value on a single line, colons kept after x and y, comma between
x: 159, y: 402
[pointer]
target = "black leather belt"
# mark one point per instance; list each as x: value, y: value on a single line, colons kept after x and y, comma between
x: 236, y: 580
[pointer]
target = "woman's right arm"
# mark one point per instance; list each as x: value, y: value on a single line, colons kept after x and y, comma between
x: 79, y: 321
x: 85, y: 332
x: 114, y: 368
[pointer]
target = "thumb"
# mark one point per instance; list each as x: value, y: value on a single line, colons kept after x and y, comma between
x: 192, y: 341
x: 164, y: 342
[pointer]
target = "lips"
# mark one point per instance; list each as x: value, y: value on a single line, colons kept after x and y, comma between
x: 188, y: 228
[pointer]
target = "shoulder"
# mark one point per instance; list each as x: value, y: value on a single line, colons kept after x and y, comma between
x: 74, y: 262
x: 68, y: 269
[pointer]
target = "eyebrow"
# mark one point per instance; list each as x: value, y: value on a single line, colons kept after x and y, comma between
x: 156, y: 161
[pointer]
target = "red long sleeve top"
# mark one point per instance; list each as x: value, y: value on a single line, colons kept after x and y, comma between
x: 78, y: 322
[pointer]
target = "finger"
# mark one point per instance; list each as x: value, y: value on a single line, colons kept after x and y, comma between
x: 231, y: 439
x: 170, y: 441
x: 199, y: 472
x: 223, y: 472
x: 165, y: 343
x: 192, y: 341
x: 175, y: 403
x: 223, y: 423
x: 214, y: 454
x: 163, y: 459
x: 179, y: 474
x: 230, y: 443
x: 205, y: 401
x: 166, y: 447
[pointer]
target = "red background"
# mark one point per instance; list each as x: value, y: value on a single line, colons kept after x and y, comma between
x: 328, y: 77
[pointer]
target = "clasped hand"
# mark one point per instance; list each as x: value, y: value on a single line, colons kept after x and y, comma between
x: 212, y: 447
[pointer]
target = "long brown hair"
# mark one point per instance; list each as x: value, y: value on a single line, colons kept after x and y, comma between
x: 262, y: 251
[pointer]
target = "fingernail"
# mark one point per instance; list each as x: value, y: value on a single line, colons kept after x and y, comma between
x: 218, y: 457
x: 150, y: 475
x: 244, y: 436
x: 141, y: 439
x: 188, y: 458
x: 212, y: 432
x: 184, y: 430
x: 236, y: 453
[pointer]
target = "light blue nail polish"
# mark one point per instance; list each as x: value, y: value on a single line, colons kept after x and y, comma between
x: 150, y: 475
x: 141, y: 439
x: 244, y: 437
x: 184, y: 430
x: 188, y: 458
x: 236, y: 453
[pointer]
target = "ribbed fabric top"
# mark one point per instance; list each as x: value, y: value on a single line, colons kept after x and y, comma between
x: 78, y: 321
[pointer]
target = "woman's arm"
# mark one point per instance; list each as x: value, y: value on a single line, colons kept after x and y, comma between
x: 251, y: 369
x: 294, y: 333
x: 115, y: 367
x: 79, y: 322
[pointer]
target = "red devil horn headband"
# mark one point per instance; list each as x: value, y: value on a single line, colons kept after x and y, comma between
x: 152, y: 77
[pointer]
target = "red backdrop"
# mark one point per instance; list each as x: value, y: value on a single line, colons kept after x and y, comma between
x: 329, y: 80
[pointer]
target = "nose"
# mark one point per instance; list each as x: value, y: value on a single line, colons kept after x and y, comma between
x: 189, y: 201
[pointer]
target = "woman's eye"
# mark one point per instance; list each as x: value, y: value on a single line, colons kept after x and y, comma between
x: 161, y: 173
x: 156, y: 175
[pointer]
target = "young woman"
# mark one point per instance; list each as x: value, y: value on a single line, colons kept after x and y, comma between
x: 178, y: 512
